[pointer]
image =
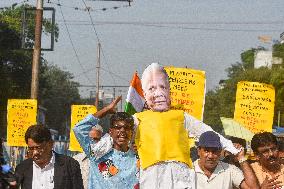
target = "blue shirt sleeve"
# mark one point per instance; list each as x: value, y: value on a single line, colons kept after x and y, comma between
x: 81, y: 131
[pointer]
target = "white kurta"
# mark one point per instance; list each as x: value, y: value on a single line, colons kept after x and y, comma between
x: 173, y: 174
x: 167, y: 175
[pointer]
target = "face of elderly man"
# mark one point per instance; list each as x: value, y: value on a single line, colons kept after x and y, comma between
x: 157, y: 91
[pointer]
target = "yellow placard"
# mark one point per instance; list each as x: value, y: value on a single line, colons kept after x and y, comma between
x: 78, y: 112
x: 187, y: 90
x: 254, y: 106
x: 21, y: 114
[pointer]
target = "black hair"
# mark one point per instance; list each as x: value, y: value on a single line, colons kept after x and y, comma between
x: 121, y: 116
x: 2, y: 160
x: 262, y: 139
x: 38, y: 133
x: 281, y: 145
x: 238, y: 140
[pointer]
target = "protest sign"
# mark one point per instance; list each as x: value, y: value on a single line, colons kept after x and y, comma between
x: 187, y: 90
x: 78, y: 112
x: 254, y: 106
x: 21, y: 113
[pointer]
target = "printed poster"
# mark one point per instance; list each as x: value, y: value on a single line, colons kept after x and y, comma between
x: 187, y: 90
x: 254, y: 106
x: 78, y: 112
x: 21, y: 114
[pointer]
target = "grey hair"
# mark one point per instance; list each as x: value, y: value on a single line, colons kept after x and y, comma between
x: 152, y: 68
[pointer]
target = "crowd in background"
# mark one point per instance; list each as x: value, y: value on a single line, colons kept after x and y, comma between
x: 149, y: 150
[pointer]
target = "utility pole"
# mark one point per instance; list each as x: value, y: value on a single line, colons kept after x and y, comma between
x: 37, y: 49
x: 98, y: 74
x: 113, y: 93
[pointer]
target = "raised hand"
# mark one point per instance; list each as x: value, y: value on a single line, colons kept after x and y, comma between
x: 241, y: 155
x: 109, y: 109
x: 271, y: 183
x: 112, y: 106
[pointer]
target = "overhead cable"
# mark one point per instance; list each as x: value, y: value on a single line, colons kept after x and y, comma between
x: 98, y: 39
x: 73, y: 46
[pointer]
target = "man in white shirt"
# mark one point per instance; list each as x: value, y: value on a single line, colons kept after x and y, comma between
x: 212, y: 173
x: 45, y: 169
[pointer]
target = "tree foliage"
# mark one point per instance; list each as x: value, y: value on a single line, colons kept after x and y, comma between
x: 13, y: 18
x: 57, y: 91
x: 278, y: 51
x: 220, y: 102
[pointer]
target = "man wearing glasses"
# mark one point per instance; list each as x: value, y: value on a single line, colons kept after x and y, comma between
x: 45, y: 169
x: 268, y: 169
x: 113, y: 165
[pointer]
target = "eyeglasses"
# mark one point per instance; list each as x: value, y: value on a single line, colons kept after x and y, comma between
x: 39, y: 148
x: 126, y: 127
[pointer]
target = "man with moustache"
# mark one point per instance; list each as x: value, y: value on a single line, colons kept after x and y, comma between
x: 212, y: 173
x: 44, y: 168
x: 268, y: 168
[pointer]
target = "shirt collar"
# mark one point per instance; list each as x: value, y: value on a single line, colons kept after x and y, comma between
x: 121, y: 153
x: 219, y: 168
x: 50, y: 164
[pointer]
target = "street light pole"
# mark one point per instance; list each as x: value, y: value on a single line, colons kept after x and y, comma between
x: 37, y: 49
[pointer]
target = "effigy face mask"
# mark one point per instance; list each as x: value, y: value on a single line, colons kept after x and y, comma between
x: 157, y: 92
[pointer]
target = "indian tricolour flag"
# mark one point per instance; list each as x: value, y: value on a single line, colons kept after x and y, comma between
x: 135, y: 100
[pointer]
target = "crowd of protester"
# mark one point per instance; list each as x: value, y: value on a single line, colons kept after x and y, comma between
x: 149, y: 150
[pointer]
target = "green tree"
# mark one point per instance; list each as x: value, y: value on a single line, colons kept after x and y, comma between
x: 57, y: 91
x: 212, y: 113
x: 278, y: 51
x: 13, y: 18
x: 220, y: 102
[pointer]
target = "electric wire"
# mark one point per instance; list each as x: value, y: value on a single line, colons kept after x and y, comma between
x: 107, y: 71
x: 88, y: 8
x: 15, y: 4
x: 73, y: 46
x: 171, y: 26
x: 98, y: 39
x: 267, y: 22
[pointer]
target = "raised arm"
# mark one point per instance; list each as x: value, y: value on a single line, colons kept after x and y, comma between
x: 250, y: 181
x: 109, y: 109
x: 196, y: 127
x: 83, y: 128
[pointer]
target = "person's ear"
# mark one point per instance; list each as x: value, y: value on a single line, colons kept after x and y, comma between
x: 198, y: 151
x: 257, y: 157
x: 51, y: 143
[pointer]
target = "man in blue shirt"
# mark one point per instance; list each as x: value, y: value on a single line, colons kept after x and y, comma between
x: 113, y: 166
